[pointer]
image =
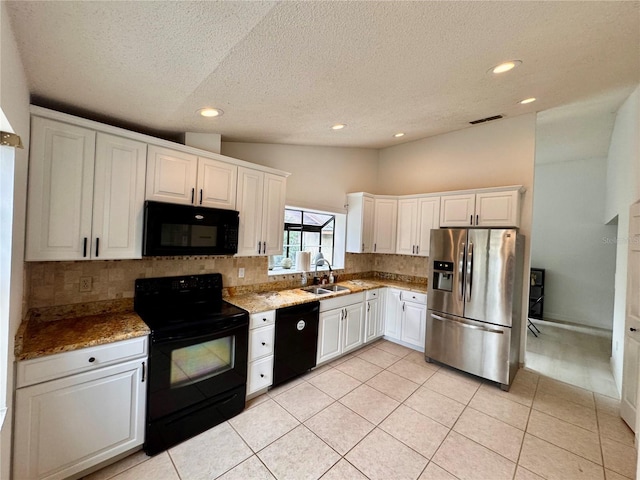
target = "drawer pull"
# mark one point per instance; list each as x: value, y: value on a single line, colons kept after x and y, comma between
x: 264, y: 344
x: 264, y: 319
x: 92, y: 359
x: 262, y: 375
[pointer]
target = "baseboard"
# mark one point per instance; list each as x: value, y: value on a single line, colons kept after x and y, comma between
x: 551, y: 319
x: 573, y: 326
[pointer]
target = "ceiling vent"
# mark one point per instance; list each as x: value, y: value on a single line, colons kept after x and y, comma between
x: 488, y: 119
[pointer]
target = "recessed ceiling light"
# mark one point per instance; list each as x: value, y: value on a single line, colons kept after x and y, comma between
x: 505, y: 66
x: 527, y: 100
x: 210, y: 112
x: 399, y: 134
x: 338, y: 126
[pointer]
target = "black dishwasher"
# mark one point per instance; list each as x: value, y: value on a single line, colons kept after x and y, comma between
x: 296, y: 341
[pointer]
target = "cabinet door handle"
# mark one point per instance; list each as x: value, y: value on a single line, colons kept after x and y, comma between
x: 264, y: 344
x: 633, y: 329
x: 97, y: 246
x: 259, y: 247
x: 403, y: 306
x: 262, y: 375
x: 84, y: 248
x: 193, y: 193
x: 143, y: 371
x: 363, y: 247
x: 264, y: 247
x: 375, y: 247
x: 200, y: 196
x: 470, y: 219
x: 477, y: 216
x: 417, y: 249
x: 368, y: 306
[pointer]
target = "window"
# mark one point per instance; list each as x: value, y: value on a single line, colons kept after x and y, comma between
x: 305, y: 230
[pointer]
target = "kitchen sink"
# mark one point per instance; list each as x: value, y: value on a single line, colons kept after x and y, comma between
x: 325, y: 289
x: 335, y: 288
x: 317, y: 290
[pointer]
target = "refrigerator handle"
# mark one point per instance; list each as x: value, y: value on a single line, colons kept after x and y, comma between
x: 465, y: 324
x: 469, y: 271
x: 461, y: 272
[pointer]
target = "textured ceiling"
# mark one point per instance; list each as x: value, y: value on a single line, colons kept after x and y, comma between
x: 284, y: 72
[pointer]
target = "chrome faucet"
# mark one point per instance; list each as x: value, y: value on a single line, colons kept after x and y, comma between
x: 320, y: 260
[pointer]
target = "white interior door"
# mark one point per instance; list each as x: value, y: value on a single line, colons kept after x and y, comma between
x: 629, y: 399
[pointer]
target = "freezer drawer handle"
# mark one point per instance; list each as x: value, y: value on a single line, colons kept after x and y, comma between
x: 467, y: 325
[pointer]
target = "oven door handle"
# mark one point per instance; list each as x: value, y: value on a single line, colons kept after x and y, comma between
x: 218, y: 333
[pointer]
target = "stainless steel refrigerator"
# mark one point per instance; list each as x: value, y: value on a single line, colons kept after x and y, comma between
x: 475, y: 301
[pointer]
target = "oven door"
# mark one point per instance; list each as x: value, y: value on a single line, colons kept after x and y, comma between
x: 195, y: 368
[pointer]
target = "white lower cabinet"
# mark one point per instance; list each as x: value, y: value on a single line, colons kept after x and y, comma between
x: 392, y: 313
x: 406, y: 317
x: 74, y: 422
x: 374, y: 320
x: 261, y: 341
x: 341, y: 327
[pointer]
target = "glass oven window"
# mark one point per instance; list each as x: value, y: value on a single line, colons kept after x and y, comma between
x: 199, y: 362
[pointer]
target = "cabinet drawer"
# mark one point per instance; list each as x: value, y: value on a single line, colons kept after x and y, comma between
x: 263, y: 318
x: 414, y: 297
x: 372, y: 294
x: 260, y: 374
x: 38, y: 370
x: 261, y: 342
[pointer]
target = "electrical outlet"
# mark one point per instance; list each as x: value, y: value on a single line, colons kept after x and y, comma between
x: 241, y: 273
x: 85, y: 284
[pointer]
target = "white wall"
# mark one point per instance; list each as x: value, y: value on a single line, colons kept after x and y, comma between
x: 623, y: 188
x: 320, y: 176
x: 493, y: 154
x: 570, y: 240
x: 14, y: 103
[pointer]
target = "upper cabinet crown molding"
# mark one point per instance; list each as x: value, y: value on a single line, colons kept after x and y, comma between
x: 141, y: 137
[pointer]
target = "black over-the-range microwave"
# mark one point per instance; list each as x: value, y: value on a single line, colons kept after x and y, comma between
x: 171, y: 229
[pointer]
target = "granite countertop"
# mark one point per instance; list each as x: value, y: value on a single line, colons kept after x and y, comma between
x: 37, y: 338
x: 68, y: 328
x: 264, y: 301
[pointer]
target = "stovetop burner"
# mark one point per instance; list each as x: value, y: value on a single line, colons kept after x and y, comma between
x: 185, y: 302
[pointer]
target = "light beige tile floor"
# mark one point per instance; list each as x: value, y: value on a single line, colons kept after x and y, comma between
x: 575, y: 355
x: 395, y: 417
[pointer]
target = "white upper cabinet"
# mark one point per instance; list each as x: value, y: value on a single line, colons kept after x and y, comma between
x: 360, y: 223
x: 457, y: 210
x: 500, y: 208
x: 384, y: 225
x: 171, y: 176
x: 86, y: 196
x: 118, y: 198
x: 216, y: 184
x: 261, y: 202
x: 416, y: 218
x: 180, y: 177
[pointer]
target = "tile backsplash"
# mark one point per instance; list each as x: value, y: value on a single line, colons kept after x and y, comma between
x: 58, y: 283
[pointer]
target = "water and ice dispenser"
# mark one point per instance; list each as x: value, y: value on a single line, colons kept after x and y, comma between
x: 443, y: 275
